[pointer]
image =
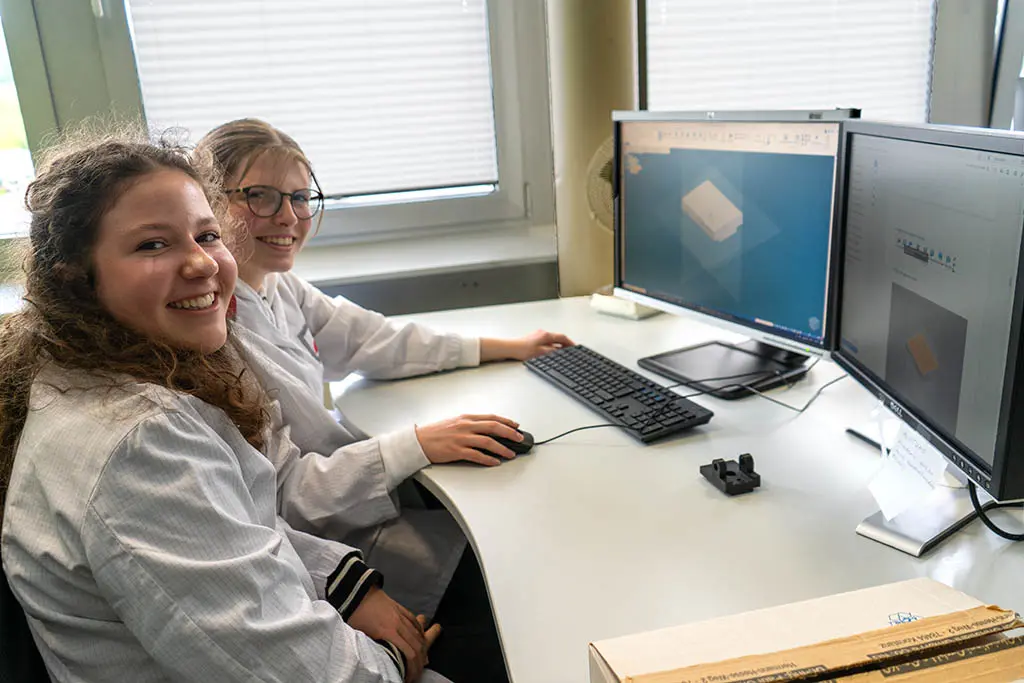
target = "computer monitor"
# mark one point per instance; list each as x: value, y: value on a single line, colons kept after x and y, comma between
x: 931, y: 291
x: 728, y: 217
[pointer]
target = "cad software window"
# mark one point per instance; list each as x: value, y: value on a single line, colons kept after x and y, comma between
x: 932, y: 246
x: 734, y: 217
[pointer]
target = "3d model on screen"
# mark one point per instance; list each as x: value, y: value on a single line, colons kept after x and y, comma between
x: 712, y: 211
x: 923, y: 355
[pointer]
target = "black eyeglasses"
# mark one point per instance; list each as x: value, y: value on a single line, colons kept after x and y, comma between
x: 265, y: 201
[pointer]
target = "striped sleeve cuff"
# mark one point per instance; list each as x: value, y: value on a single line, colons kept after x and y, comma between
x: 350, y: 582
x: 396, y: 656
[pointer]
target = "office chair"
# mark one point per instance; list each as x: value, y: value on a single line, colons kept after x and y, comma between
x: 21, y: 662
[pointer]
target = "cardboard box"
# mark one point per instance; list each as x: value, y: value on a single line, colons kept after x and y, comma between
x: 915, y: 631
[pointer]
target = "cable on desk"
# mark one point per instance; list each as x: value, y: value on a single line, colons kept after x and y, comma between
x: 580, y: 429
x: 725, y: 377
x: 983, y: 515
x: 712, y: 391
x: 703, y: 392
x: 653, y: 417
x: 657, y: 413
x: 715, y: 379
x: 807, y: 405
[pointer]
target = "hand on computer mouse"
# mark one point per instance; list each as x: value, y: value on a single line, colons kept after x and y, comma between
x: 469, y: 437
x: 520, y: 447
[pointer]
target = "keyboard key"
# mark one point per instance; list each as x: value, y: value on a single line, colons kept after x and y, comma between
x: 559, y: 377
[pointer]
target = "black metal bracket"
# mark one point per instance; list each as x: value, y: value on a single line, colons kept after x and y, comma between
x: 730, y: 477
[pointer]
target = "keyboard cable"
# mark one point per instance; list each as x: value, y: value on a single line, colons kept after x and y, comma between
x: 651, y: 418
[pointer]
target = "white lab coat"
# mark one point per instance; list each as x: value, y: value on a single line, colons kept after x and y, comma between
x: 328, y: 339
x: 141, y: 534
x: 297, y: 336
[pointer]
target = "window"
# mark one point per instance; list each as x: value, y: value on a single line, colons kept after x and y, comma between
x: 15, y: 161
x: 791, y: 54
x: 411, y: 110
x: 15, y: 173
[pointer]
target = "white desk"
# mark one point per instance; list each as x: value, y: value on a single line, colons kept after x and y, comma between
x: 595, y: 535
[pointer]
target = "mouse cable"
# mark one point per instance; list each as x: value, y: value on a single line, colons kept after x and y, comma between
x: 580, y: 429
x: 983, y: 515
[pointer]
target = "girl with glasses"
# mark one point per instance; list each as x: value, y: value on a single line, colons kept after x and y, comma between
x: 141, y: 513
x: 273, y: 190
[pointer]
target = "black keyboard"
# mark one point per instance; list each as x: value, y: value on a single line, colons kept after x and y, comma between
x: 646, y: 409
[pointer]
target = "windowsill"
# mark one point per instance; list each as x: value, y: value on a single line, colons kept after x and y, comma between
x: 431, y: 254
x: 344, y: 264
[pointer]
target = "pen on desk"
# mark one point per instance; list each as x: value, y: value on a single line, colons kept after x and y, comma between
x: 866, y: 439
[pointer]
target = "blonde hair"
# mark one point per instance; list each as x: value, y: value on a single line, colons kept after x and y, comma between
x: 236, y: 146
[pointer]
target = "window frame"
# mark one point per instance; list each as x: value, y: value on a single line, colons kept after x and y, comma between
x: 525, y: 192
x: 35, y: 98
x: 1008, y: 67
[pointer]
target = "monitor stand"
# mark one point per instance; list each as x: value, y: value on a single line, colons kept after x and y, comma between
x: 924, y: 525
x: 729, y: 371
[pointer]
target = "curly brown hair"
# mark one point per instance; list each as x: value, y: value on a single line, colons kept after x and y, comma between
x: 63, y: 322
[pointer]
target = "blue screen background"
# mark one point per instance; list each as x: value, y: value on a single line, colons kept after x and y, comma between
x: 774, y: 268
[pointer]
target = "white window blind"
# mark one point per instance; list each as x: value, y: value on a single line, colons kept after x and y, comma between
x: 384, y: 96
x: 791, y: 54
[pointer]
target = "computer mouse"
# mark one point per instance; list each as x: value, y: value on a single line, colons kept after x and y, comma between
x: 517, y: 447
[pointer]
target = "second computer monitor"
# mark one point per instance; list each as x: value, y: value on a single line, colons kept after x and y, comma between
x: 930, y: 314
x: 730, y: 219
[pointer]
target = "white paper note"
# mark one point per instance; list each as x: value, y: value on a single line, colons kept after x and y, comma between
x: 911, y: 470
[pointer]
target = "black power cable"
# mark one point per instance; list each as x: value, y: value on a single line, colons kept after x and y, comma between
x: 983, y: 516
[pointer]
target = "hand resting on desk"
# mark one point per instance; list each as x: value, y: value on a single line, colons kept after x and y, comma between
x: 523, y: 348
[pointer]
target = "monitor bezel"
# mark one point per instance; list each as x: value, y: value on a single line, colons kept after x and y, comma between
x: 1004, y: 479
x: 759, y: 332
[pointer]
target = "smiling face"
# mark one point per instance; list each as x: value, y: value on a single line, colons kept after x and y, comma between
x: 160, y: 265
x: 270, y: 244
